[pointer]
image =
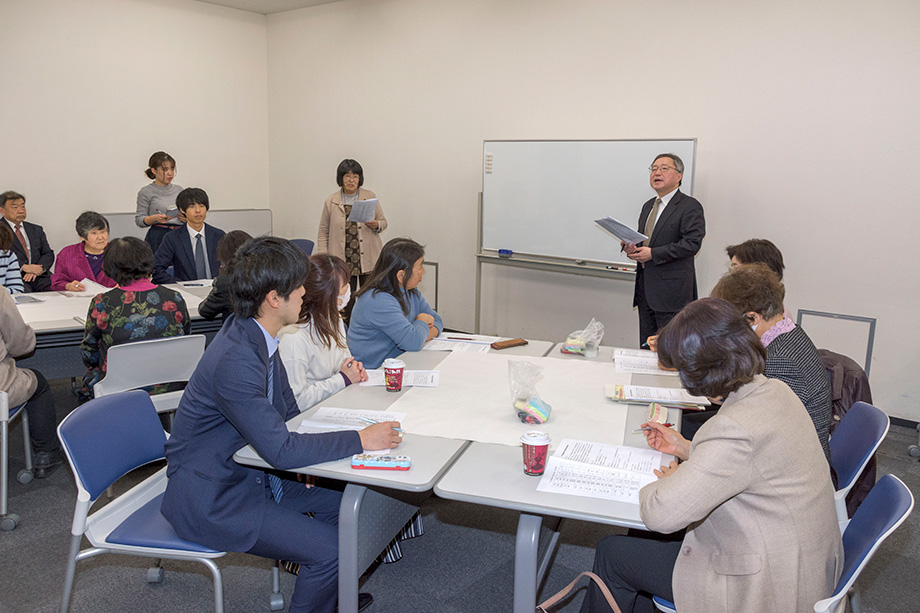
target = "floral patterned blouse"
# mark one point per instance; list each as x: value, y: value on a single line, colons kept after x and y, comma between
x: 136, y: 312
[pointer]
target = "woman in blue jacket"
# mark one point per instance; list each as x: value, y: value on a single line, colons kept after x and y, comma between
x: 390, y: 315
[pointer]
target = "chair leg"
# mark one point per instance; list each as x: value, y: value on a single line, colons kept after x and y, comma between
x: 218, y: 584
x: 276, y: 601
x: 853, y: 598
x: 27, y: 440
x: 71, y: 571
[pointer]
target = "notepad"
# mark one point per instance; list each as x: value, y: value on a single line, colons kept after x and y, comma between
x: 666, y: 396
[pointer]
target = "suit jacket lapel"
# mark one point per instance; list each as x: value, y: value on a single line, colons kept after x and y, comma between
x: 185, y: 241
x: 665, y: 216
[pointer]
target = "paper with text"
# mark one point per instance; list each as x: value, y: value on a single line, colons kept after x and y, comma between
x: 621, y: 230
x: 331, y: 418
x: 411, y: 378
x: 643, y: 393
x: 363, y: 211
x: 640, y: 361
x: 438, y: 344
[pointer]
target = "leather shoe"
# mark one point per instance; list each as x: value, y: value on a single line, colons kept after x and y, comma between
x: 45, y: 463
x: 364, y: 601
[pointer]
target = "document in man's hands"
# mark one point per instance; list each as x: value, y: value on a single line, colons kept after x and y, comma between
x: 363, y: 211
x: 670, y: 397
x: 597, y: 470
x: 621, y: 230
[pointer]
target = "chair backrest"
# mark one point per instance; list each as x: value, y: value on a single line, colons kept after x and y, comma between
x: 161, y: 360
x: 855, y: 440
x: 884, y: 509
x: 304, y: 244
x: 109, y: 437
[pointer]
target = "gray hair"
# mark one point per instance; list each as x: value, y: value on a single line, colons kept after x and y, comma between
x: 89, y: 221
x: 678, y: 163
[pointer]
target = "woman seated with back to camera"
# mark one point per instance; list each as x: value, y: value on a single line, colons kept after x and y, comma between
x: 391, y: 316
x: 752, y: 490
x: 217, y: 304
x: 757, y: 292
x: 136, y: 310
x: 83, y: 260
x: 314, y: 350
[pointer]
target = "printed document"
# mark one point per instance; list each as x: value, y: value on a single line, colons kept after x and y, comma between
x: 621, y: 230
x: 363, y: 211
x: 470, y: 343
x: 411, y: 378
x: 330, y: 418
x: 641, y: 361
x: 668, y: 396
x: 597, y: 470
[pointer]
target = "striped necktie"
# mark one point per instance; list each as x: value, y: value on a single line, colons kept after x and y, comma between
x: 274, y: 482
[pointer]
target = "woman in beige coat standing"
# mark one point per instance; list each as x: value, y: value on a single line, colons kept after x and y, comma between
x: 357, y: 243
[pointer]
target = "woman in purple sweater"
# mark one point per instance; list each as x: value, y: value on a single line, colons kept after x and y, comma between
x: 84, y: 259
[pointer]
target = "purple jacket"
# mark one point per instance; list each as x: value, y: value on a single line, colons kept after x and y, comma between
x: 71, y: 265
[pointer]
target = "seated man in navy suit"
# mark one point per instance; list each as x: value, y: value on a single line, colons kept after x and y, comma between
x: 193, y: 253
x: 31, y: 245
x: 239, y: 395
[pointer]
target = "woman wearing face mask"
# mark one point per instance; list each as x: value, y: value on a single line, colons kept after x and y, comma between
x: 313, y: 350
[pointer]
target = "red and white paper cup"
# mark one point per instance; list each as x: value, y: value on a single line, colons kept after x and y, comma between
x: 393, y: 370
x: 536, y: 452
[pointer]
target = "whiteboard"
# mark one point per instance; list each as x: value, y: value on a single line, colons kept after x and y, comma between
x: 540, y: 198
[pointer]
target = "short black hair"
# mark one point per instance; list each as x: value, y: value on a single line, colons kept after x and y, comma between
x: 758, y: 250
x: 398, y: 254
x: 89, y: 221
x: 346, y: 166
x: 261, y: 265
x: 192, y: 195
x: 127, y: 259
x: 229, y: 243
x: 10, y: 196
x: 712, y: 346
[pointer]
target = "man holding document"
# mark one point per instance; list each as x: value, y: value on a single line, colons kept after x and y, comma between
x: 665, y: 273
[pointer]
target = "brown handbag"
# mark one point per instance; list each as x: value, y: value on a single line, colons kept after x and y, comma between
x: 552, y: 600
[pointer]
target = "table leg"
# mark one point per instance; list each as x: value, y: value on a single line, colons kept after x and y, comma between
x: 349, y: 512
x: 529, y: 567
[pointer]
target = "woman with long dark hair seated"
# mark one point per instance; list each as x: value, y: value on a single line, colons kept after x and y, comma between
x: 752, y: 489
x: 391, y: 316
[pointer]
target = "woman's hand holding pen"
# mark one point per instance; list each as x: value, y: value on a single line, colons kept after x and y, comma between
x: 666, y: 440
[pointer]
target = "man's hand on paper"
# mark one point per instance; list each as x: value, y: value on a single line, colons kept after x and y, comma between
x: 666, y: 471
x: 627, y: 248
x: 380, y: 436
x: 666, y: 440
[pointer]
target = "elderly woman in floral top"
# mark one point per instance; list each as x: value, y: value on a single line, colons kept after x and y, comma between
x: 135, y: 310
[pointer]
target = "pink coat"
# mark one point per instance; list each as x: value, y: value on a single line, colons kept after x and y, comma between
x: 71, y: 265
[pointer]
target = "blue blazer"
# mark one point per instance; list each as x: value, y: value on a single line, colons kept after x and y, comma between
x: 176, y: 251
x: 210, y: 499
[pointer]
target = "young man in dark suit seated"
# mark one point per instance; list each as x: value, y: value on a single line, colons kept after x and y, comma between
x: 240, y: 395
x: 31, y: 245
x: 192, y: 252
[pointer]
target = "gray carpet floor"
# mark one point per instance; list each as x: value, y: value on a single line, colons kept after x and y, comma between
x: 464, y: 562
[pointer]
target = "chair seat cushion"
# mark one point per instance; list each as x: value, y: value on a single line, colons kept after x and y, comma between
x: 15, y: 410
x: 147, y: 527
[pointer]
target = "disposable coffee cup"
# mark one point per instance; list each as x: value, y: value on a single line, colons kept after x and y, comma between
x: 393, y: 370
x: 536, y: 450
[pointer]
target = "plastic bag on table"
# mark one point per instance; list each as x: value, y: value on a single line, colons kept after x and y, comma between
x: 585, y: 342
x: 528, y: 405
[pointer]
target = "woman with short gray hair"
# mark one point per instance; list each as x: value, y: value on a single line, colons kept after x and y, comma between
x: 83, y: 260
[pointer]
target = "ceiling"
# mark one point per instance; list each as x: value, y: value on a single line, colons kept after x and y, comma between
x: 267, y: 7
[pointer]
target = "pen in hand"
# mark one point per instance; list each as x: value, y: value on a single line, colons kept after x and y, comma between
x: 647, y: 428
x: 373, y: 421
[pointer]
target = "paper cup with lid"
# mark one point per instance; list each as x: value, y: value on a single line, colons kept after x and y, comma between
x: 393, y: 370
x: 535, y: 446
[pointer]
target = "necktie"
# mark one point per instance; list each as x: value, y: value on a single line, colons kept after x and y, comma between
x: 22, y: 241
x: 200, y: 269
x: 274, y: 482
x: 650, y: 222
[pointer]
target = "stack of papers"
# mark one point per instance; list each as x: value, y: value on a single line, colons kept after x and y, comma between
x: 471, y: 343
x: 330, y: 418
x: 640, y: 361
x: 673, y: 398
x: 363, y: 211
x: 411, y: 378
x: 596, y: 470
x: 621, y: 230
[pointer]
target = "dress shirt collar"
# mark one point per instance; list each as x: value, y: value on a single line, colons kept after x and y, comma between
x: 192, y: 232
x: 271, y: 342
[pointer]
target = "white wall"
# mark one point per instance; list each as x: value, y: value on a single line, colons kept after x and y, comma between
x: 806, y: 115
x: 92, y: 87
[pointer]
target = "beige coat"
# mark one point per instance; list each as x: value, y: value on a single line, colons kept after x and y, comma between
x: 331, y: 238
x: 16, y: 339
x: 758, y: 503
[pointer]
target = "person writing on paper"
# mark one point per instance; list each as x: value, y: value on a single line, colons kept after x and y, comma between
x: 791, y: 356
x: 156, y: 203
x: 675, y: 225
x: 357, y: 243
x: 752, y: 489
x: 391, y: 316
x: 83, y: 260
x: 314, y: 350
x: 239, y: 395
x: 136, y: 310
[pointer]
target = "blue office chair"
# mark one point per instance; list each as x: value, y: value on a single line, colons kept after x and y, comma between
x: 884, y: 509
x: 103, y: 440
x: 9, y: 521
x: 853, y: 444
x: 304, y: 244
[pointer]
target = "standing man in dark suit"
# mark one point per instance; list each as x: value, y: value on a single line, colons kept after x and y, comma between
x: 31, y: 245
x: 193, y: 252
x: 674, y: 223
x: 239, y: 395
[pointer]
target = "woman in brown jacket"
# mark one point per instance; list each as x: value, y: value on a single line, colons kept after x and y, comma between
x: 358, y: 244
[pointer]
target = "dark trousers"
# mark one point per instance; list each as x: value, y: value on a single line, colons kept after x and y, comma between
x: 155, y: 235
x: 41, y: 283
x: 42, y: 416
x: 312, y: 542
x: 634, y: 568
x: 355, y: 281
x: 650, y: 321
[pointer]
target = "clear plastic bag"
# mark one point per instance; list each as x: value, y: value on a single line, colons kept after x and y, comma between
x: 585, y: 342
x: 530, y: 408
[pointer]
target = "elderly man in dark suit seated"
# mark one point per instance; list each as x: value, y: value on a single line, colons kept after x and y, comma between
x: 31, y: 245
